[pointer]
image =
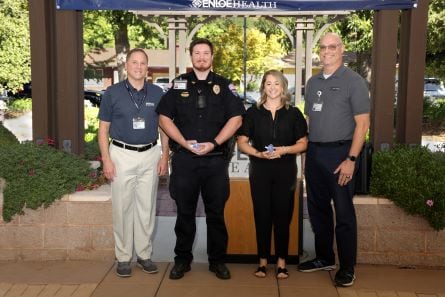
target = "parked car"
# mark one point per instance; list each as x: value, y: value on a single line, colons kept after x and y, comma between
x: 93, y: 96
x: 3, y: 95
x: 434, y: 88
x: 248, y: 100
x: 291, y: 91
x: 162, y: 82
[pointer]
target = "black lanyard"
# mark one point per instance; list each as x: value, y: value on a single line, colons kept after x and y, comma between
x: 131, y: 95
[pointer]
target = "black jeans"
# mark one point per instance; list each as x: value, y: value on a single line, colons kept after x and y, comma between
x: 191, y: 176
x: 322, y: 188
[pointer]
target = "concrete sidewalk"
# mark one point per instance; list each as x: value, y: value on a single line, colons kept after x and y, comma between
x: 97, y: 279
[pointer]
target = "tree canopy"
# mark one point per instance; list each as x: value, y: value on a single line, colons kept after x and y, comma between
x: 118, y: 29
x: 227, y: 36
x: 357, y: 35
x: 15, y: 54
x: 435, y: 53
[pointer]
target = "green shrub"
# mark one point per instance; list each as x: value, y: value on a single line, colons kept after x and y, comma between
x: 19, y: 106
x: 91, y: 126
x: 434, y: 111
x: 414, y: 179
x: 38, y: 175
x: 252, y: 86
x: 6, y: 136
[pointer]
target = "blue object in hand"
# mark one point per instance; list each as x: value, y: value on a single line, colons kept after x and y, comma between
x: 270, y: 148
x: 195, y: 145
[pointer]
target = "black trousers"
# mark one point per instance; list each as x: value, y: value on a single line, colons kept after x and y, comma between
x: 322, y: 188
x: 191, y: 176
x: 272, y: 185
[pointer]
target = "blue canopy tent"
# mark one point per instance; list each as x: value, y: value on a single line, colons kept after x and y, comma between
x: 57, y: 57
x: 235, y: 5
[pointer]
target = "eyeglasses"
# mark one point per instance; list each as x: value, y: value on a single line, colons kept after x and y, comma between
x: 331, y: 47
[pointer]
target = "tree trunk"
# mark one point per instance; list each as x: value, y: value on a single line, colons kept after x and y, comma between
x: 363, y: 65
x: 122, y: 46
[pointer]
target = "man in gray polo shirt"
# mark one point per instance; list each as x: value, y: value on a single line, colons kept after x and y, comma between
x: 337, y: 107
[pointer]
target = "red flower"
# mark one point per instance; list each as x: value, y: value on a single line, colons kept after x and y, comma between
x: 50, y: 141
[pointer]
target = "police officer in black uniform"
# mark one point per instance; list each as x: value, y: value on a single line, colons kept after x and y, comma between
x: 200, y: 114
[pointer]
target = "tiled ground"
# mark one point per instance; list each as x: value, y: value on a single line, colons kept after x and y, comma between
x: 97, y: 279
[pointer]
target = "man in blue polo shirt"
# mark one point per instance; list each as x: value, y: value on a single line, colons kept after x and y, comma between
x: 132, y: 161
x: 337, y: 106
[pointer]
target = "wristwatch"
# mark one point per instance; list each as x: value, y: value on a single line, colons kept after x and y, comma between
x: 214, y: 143
x: 351, y: 158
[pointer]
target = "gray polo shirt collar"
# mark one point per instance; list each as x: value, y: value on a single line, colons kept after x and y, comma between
x: 337, y: 73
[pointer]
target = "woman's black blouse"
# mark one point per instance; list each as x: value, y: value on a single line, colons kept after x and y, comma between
x: 288, y: 126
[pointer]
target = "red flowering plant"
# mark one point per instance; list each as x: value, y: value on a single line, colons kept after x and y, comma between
x: 414, y: 179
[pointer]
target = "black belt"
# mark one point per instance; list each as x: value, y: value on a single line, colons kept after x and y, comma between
x: 331, y: 144
x: 132, y: 147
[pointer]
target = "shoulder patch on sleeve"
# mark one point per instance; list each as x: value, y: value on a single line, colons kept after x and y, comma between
x: 232, y: 88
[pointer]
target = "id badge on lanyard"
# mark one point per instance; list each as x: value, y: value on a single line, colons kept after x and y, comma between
x: 318, y: 106
x: 138, y: 123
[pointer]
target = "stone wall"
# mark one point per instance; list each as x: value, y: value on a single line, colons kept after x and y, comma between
x: 387, y: 235
x: 79, y: 227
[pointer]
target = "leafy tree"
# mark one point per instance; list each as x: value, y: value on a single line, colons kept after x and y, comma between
x: 356, y: 31
x: 269, y: 28
x: 15, y: 56
x: 121, y: 29
x: 228, y: 37
x: 435, y: 53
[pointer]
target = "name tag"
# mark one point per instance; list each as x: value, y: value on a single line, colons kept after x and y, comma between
x: 317, y: 107
x: 138, y: 123
x: 180, y: 84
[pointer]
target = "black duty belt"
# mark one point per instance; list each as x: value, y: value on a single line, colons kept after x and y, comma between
x: 132, y: 147
x: 332, y: 143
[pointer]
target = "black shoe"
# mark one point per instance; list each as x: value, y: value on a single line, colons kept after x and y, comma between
x: 344, y: 278
x: 220, y: 269
x: 123, y: 269
x: 178, y: 270
x: 315, y: 265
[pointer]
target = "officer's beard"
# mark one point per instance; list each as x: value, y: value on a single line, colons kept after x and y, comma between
x: 202, y: 68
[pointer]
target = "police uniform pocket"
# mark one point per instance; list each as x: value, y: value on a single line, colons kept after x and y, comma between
x: 185, y: 110
x: 216, y: 110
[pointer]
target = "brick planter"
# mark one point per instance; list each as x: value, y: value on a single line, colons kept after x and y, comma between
x: 387, y: 235
x: 79, y: 227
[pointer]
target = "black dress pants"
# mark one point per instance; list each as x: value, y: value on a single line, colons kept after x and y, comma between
x: 322, y: 188
x: 191, y: 176
x: 272, y: 186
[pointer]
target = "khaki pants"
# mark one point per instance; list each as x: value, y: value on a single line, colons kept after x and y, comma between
x: 133, y: 196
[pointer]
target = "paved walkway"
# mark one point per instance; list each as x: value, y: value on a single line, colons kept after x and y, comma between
x: 97, y: 279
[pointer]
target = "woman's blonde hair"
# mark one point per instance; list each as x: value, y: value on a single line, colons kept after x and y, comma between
x: 285, y: 96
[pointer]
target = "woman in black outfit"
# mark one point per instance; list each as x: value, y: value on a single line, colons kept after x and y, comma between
x: 272, y: 134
